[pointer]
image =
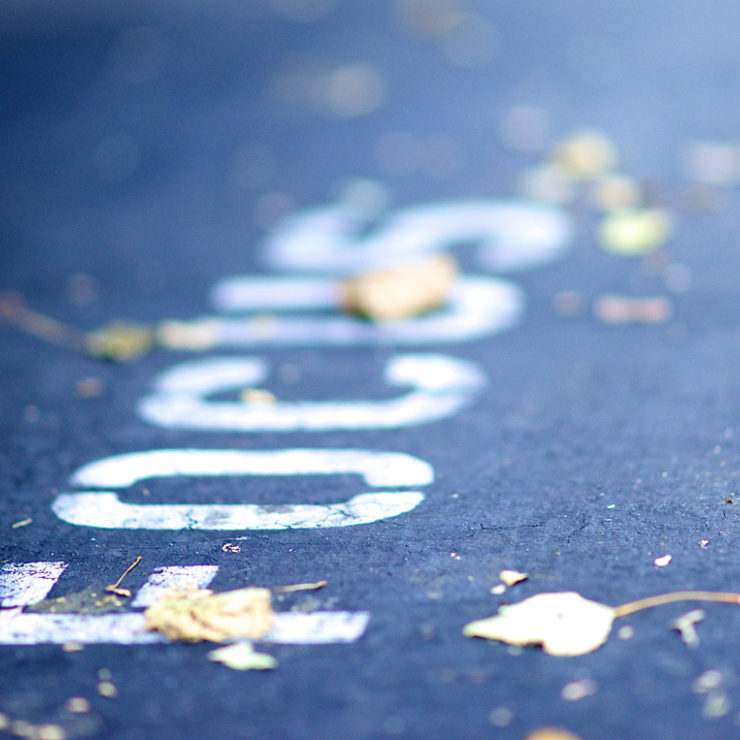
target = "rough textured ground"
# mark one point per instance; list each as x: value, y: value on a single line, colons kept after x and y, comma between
x: 156, y: 166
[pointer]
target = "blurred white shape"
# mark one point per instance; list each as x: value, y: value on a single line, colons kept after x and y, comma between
x: 355, y: 89
x: 472, y: 42
x: 525, y: 128
x: 713, y: 163
x: 366, y: 199
x: 547, y: 183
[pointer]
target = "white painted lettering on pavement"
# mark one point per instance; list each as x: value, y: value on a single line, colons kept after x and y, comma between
x: 478, y: 306
x: 512, y: 235
x: 104, y: 509
x: 377, y: 468
x: 173, y: 577
x: 442, y: 386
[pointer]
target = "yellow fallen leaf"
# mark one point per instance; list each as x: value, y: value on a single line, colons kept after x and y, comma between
x: 630, y: 232
x: 614, y: 192
x: 198, y: 615
x: 563, y: 623
x: 241, y: 656
x: 586, y: 154
x: 120, y: 341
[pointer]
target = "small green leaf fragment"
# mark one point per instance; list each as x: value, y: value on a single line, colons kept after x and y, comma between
x: 120, y: 341
x: 241, y: 656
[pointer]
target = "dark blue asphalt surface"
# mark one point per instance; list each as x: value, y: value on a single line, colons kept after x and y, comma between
x: 592, y: 450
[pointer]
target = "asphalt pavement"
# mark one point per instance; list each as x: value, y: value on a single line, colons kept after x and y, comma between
x: 223, y: 167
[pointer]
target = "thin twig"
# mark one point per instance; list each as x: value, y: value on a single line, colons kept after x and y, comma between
x: 114, y: 587
x: 636, y: 606
x: 43, y: 327
x: 300, y: 587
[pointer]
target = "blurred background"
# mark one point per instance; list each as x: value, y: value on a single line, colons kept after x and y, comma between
x: 149, y: 146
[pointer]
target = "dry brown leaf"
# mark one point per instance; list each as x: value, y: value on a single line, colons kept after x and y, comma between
x: 563, y: 623
x: 401, y: 292
x: 512, y: 577
x: 198, y: 615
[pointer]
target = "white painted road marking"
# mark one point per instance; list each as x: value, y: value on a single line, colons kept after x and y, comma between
x: 442, y: 386
x: 26, y: 583
x: 511, y: 235
x: 23, y: 584
x: 377, y: 468
x: 129, y: 628
x: 173, y: 577
x: 478, y: 306
x: 106, y: 511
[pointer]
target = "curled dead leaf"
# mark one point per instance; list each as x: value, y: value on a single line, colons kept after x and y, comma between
x: 198, y: 615
x: 401, y: 292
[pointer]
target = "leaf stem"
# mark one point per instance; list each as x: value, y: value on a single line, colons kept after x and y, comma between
x: 38, y: 325
x: 651, y: 601
x: 124, y: 574
x: 299, y: 587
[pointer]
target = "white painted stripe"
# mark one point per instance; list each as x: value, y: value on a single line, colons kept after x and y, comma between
x: 130, y: 629
x: 105, y: 510
x: 478, y: 306
x: 377, y: 468
x: 27, y: 583
x: 441, y: 385
x: 512, y: 235
x: 318, y: 627
x: 37, y: 629
x: 173, y: 577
